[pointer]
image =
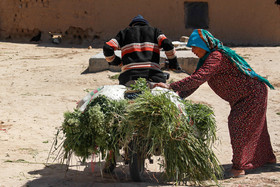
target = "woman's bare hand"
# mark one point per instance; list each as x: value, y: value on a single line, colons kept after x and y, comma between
x: 163, y: 85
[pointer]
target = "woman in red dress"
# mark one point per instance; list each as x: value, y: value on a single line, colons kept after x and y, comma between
x: 231, y: 77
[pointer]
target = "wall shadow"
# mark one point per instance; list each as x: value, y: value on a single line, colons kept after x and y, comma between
x: 94, y: 44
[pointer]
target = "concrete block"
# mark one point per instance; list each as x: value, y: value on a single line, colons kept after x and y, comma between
x: 186, y: 59
x: 98, y: 63
x: 188, y: 64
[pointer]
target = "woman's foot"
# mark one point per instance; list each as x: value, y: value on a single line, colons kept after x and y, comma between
x: 273, y: 161
x: 234, y: 173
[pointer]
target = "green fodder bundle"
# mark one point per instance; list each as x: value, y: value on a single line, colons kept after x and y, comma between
x: 159, y: 123
x: 184, y: 135
x: 95, y: 129
x: 202, y: 119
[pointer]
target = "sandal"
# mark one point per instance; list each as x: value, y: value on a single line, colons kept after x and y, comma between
x: 273, y: 161
x: 233, y: 173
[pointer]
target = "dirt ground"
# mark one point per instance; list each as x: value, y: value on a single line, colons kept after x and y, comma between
x: 39, y: 82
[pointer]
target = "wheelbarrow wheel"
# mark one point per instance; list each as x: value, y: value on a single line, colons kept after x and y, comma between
x: 110, y: 163
x: 109, y: 167
x: 136, y: 163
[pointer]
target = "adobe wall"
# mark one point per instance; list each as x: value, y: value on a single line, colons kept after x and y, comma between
x: 239, y: 22
x: 22, y: 19
x: 245, y: 22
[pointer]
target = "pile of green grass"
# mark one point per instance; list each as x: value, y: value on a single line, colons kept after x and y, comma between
x: 94, y: 130
x: 185, y: 135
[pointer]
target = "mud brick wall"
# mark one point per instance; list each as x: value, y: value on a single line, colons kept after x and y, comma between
x: 239, y: 22
x: 21, y: 20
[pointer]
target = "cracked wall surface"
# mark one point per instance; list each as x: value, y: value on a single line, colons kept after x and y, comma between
x: 21, y: 20
x: 239, y: 22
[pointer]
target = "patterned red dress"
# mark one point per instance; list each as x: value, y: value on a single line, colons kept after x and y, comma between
x: 248, y: 101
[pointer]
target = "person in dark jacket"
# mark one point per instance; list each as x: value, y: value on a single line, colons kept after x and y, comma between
x: 140, y: 46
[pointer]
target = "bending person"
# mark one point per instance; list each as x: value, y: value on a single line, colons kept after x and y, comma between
x: 140, y: 46
x: 231, y: 77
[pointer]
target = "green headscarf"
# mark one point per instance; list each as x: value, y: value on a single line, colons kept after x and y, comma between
x: 214, y: 44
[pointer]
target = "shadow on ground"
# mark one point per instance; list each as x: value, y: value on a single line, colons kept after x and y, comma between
x: 266, y: 175
x: 264, y: 169
x: 89, y: 175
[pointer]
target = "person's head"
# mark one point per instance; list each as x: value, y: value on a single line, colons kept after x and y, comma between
x: 199, y: 52
x: 202, y: 41
x: 138, y: 20
x: 196, y: 42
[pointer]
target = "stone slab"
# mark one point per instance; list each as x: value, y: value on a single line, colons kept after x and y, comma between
x: 186, y: 59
